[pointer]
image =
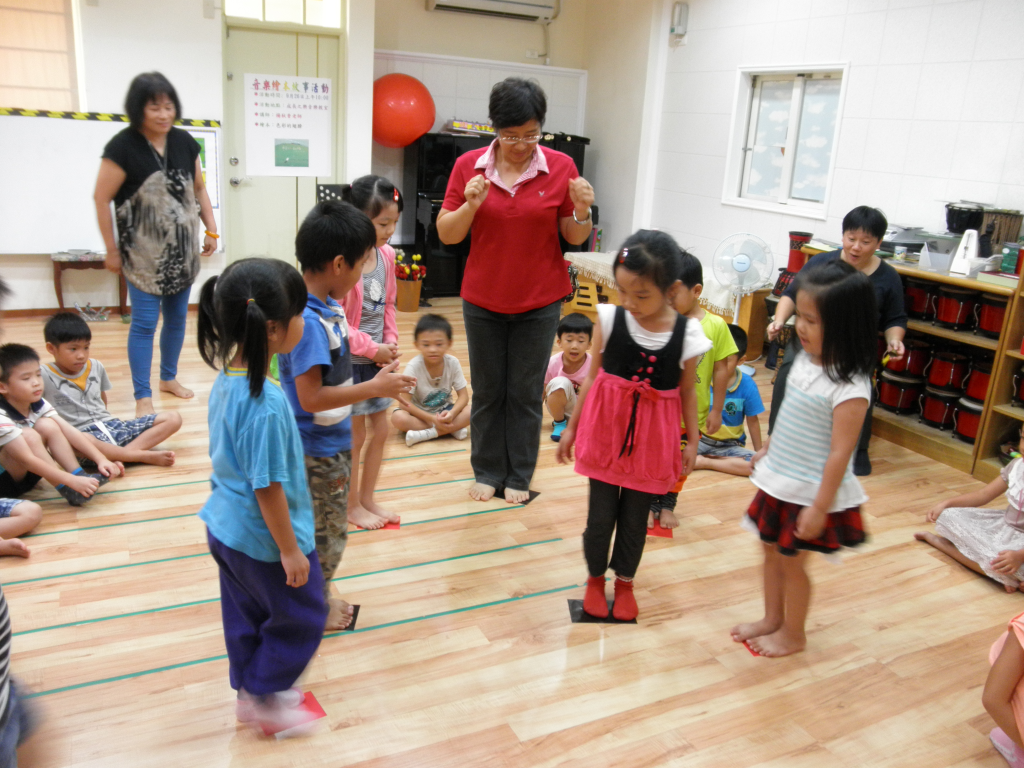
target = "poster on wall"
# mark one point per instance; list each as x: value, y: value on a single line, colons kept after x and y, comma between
x: 209, y: 162
x: 288, y: 125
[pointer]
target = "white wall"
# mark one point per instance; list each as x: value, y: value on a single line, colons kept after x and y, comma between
x: 934, y: 109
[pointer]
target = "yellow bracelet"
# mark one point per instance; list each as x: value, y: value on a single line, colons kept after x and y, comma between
x: 214, y: 235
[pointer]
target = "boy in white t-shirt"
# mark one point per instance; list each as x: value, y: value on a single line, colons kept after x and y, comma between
x: 567, y: 369
x: 432, y: 411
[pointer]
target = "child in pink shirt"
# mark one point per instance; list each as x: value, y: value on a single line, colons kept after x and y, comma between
x: 567, y: 369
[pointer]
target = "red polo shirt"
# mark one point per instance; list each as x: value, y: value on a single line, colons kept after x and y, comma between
x: 515, y: 262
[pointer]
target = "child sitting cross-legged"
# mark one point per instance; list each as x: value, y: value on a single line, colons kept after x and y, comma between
x: 726, y: 450
x: 76, y: 385
x: 431, y: 411
x: 568, y: 369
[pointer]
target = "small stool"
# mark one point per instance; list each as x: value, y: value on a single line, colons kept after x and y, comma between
x: 84, y: 260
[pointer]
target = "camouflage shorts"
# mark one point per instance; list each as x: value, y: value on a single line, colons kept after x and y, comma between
x: 328, y: 485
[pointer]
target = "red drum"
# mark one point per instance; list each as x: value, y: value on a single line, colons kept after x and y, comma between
x: 1018, y: 388
x: 918, y: 296
x: 915, y: 358
x: 947, y: 370
x: 937, y: 407
x: 989, y: 313
x: 967, y: 420
x: 976, y: 383
x: 899, y: 394
x: 954, y: 307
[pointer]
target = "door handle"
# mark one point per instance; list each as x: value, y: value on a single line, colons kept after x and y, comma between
x: 236, y: 181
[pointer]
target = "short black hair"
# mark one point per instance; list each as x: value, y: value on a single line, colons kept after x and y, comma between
x: 576, y: 322
x: 65, y: 327
x: 739, y: 337
x: 515, y: 101
x: 846, y: 304
x: 651, y: 254
x: 432, y: 323
x: 371, y: 193
x: 866, y: 219
x: 333, y: 229
x: 691, y: 271
x: 144, y: 89
x: 12, y: 355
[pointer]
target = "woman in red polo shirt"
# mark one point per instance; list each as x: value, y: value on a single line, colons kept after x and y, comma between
x: 515, y: 197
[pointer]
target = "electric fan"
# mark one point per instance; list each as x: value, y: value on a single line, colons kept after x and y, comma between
x: 742, y: 264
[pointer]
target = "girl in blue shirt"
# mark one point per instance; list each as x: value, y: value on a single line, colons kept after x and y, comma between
x: 259, y: 516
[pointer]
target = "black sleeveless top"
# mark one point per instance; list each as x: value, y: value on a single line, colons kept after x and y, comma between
x: 624, y: 358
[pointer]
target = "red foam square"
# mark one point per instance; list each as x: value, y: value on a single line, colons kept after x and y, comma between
x: 657, y: 530
x: 311, y: 706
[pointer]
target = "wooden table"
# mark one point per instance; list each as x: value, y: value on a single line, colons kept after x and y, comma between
x: 59, y: 265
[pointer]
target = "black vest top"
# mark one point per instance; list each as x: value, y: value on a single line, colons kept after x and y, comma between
x: 624, y: 358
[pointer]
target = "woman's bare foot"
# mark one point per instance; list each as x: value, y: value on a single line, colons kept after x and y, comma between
x: 174, y: 388
x: 339, y: 615
x: 753, y: 629
x: 512, y: 496
x: 13, y: 548
x: 668, y: 519
x: 144, y: 407
x: 362, y: 518
x: 779, y: 643
x: 376, y: 509
x: 481, y: 491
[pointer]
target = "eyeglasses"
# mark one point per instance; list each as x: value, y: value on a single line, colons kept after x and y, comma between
x: 519, y: 139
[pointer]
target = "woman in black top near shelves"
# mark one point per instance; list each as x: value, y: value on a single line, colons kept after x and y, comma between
x: 863, y: 230
x: 153, y: 173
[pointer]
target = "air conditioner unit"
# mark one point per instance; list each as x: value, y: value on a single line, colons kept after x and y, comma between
x: 520, y: 10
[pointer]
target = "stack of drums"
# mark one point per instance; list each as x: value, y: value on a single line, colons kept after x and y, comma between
x: 902, y: 382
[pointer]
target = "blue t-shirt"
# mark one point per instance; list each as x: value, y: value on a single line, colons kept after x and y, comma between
x: 740, y: 402
x: 253, y: 443
x: 325, y: 343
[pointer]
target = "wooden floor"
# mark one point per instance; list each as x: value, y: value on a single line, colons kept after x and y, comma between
x: 465, y: 655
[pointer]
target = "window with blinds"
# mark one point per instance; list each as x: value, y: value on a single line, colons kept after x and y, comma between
x: 37, y: 55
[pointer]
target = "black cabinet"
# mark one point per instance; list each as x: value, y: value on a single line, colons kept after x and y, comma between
x: 428, y: 163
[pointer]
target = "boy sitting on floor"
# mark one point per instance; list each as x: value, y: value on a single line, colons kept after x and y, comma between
x: 567, y: 369
x: 725, y: 450
x: 76, y: 385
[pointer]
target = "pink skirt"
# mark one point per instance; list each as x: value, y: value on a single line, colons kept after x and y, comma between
x: 628, y: 435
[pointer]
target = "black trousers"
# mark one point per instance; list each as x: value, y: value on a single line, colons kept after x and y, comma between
x: 621, y: 511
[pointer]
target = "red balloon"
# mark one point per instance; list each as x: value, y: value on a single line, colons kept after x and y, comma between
x: 403, y: 110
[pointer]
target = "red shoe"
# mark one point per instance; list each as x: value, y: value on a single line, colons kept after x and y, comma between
x: 594, y: 601
x: 624, y: 608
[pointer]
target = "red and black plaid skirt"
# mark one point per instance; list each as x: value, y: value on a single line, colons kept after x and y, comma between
x: 775, y: 521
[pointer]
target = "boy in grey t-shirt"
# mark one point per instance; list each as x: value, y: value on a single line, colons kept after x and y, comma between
x: 432, y: 411
x: 76, y: 386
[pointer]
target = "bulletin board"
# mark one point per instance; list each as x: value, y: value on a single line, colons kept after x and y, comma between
x: 50, y: 161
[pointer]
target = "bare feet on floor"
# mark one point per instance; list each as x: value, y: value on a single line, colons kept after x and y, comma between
x: 651, y: 518
x: 13, y: 548
x: 339, y: 614
x: 174, y: 388
x: 363, y: 518
x: 779, y: 643
x: 753, y: 629
x: 156, y: 458
x: 481, y: 492
x: 512, y: 496
x: 386, y: 515
x: 144, y: 407
x: 668, y: 519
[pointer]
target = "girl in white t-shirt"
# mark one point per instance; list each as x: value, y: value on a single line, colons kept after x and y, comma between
x: 808, y: 498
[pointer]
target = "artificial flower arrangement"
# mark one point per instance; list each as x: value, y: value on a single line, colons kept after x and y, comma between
x: 409, y: 267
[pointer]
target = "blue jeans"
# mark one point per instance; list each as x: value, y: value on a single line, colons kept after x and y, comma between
x: 145, y: 312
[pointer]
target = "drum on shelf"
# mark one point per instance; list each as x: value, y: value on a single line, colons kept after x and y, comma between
x: 947, y: 370
x: 967, y: 420
x: 1018, y: 387
x: 954, y: 307
x: 976, y: 383
x: 989, y: 313
x: 918, y: 296
x: 898, y: 393
x: 937, y: 407
x: 915, y: 358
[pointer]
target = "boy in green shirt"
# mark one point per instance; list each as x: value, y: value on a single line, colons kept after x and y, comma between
x: 711, y: 370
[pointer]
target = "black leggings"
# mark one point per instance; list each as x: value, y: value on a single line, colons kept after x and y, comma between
x: 622, y: 511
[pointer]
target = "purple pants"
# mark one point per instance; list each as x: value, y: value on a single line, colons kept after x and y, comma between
x: 271, y: 630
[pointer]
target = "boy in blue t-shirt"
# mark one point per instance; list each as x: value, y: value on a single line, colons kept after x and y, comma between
x: 332, y: 246
x: 725, y: 450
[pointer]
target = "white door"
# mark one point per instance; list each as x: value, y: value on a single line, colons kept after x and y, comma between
x: 264, y: 212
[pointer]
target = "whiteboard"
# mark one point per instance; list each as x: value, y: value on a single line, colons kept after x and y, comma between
x: 49, y: 174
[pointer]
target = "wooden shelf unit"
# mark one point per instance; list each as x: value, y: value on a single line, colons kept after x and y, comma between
x: 999, y: 417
